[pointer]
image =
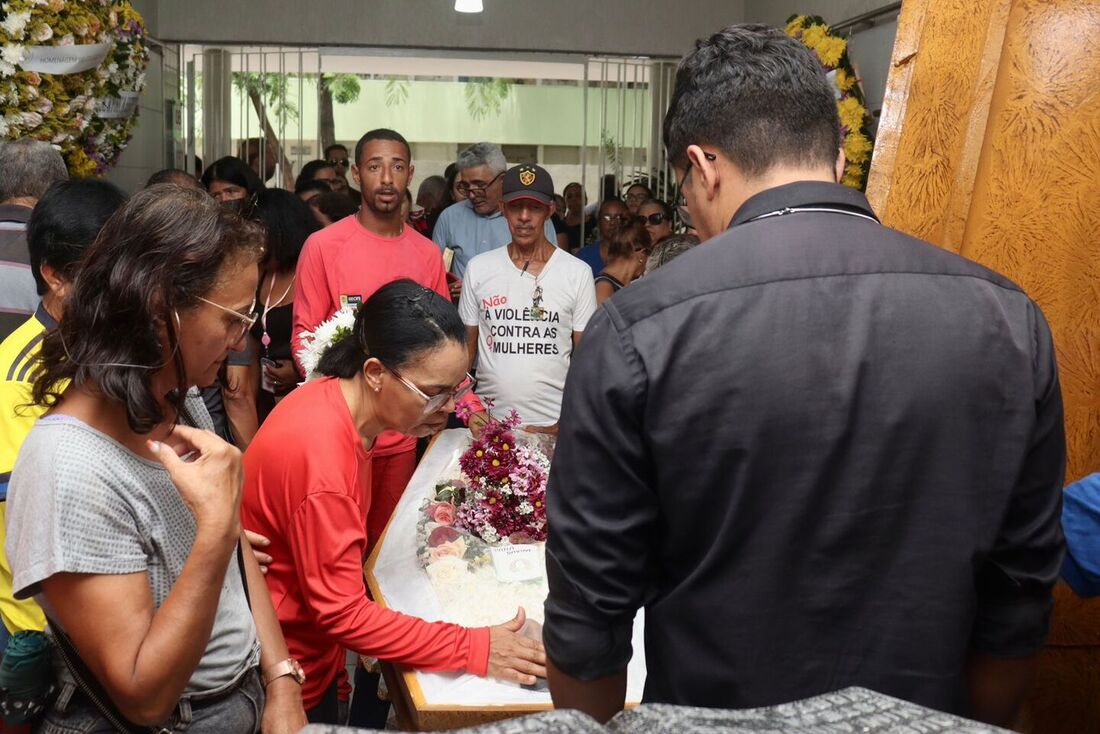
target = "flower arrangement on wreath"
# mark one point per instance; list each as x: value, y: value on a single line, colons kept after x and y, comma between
x: 855, y: 133
x: 61, y: 108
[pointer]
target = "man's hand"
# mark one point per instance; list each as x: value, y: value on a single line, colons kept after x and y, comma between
x: 455, y: 284
x: 258, y: 541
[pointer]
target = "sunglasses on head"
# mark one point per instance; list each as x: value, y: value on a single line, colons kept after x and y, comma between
x: 654, y: 219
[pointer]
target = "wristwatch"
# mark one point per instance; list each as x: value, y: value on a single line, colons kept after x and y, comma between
x: 290, y: 667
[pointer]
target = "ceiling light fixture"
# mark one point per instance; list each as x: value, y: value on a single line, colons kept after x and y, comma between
x: 468, y: 6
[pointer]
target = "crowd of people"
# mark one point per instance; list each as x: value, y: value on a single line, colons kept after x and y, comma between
x: 819, y: 452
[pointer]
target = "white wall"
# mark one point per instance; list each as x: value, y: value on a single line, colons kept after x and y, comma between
x: 644, y: 27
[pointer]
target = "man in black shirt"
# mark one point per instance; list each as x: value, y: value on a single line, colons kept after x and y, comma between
x: 819, y: 452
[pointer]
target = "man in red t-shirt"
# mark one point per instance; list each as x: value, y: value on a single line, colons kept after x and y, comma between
x: 351, y: 259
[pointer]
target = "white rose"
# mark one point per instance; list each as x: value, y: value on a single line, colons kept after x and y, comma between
x: 67, y: 40
x: 3, y: 128
x: 43, y: 33
x: 447, y: 570
x: 6, y: 69
x: 31, y: 119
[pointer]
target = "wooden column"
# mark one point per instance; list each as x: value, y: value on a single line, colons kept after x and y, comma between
x: 989, y: 146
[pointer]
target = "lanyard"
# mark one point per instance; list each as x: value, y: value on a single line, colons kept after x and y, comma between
x: 266, y: 338
x: 800, y: 209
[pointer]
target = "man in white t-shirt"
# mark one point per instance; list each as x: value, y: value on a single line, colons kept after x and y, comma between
x: 525, y: 306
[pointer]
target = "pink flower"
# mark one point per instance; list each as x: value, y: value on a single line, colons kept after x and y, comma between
x: 443, y: 513
x: 453, y: 549
x: 441, y: 535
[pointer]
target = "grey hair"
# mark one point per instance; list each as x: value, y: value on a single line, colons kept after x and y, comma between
x: 482, y: 154
x: 669, y: 249
x: 28, y: 168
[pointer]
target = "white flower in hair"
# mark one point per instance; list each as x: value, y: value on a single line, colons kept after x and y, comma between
x: 315, y: 343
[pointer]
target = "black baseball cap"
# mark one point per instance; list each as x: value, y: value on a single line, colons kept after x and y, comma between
x: 528, y: 181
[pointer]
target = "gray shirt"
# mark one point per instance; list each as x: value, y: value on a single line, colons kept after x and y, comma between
x: 79, y: 502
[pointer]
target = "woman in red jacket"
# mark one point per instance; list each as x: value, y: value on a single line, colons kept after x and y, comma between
x: 307, y: 488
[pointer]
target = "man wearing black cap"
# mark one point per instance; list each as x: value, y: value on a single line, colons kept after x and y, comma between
x: 526, y: 305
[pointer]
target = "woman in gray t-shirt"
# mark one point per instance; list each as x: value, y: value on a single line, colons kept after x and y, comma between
x: 131, y: 550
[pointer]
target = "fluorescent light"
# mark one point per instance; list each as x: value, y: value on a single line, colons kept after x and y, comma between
x: 468, y: 6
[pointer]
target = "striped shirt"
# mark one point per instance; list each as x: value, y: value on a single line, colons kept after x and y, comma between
x: 18, y: 294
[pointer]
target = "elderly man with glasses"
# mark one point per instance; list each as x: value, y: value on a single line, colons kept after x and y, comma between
x: 476, y: 224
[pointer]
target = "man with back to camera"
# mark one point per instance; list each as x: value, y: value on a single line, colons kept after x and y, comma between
x: 819, y: 452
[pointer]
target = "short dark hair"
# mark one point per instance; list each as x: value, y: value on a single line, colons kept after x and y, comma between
x: 636, y: 184
x: 66, y: 220
x: 382, y: 133
x: 172, y: 176
x: 757, y: 94
x: 400, y: 322
x: 628, y: 240
x: 316, y: 184
x: 288, y: 222
x: 665, y: 207
x: 334, y: 146
x: 609, y: 202
x: 160, y: 252
x: 308, y: 172
x: 232, y: 170
x: 336, y: 205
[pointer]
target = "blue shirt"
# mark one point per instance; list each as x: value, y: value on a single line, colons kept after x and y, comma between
x: 469, y: 234
x: 591, y: 255
x: 1081, y: 524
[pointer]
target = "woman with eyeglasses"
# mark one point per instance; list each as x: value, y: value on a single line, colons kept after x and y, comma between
x: 627, y: 252
x: 123, y: 509
x: 656, y: 216
x: 307, y: 488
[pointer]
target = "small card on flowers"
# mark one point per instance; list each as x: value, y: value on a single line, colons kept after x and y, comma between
x: 517, y: 562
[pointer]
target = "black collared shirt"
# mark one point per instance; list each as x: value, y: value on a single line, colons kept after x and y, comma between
x: 820, y: 453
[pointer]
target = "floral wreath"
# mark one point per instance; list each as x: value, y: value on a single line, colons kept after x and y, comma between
x: 832, y: 52
x: 61, y: 108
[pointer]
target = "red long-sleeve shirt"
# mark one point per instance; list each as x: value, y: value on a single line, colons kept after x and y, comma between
x: 307, y: 488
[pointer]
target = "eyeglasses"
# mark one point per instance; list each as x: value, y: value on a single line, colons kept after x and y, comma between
x: 681, y: 201
x: 654, y: 219
x: 432, y: 403
x: 339, y: 162
x: 245, y: 320
x: 476, y: 188
x: 615, y: 217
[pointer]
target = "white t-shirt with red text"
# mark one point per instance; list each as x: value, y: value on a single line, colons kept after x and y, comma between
x: 524, y: 350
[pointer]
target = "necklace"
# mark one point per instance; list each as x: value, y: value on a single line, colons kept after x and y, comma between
x: 266, y: 338
x: 536, y: 295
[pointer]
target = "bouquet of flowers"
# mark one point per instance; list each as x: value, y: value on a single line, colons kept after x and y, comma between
x: 501, y: 498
